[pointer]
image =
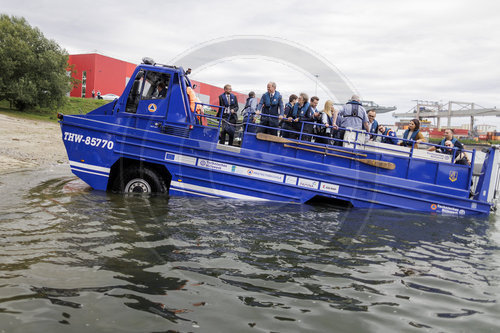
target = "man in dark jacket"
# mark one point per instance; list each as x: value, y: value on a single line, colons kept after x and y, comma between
x: 309, y: 117
x: 229, y: 107
x: 372, y: 123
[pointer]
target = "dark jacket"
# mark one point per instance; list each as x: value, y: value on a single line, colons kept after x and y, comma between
x: 232, y: 104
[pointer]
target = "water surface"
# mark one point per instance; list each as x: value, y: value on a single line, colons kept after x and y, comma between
x: 75, y: 260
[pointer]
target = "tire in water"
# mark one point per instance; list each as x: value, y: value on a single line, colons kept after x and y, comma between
x: 137, y: 179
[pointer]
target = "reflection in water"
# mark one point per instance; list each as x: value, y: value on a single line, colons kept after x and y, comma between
x: 82, y: 259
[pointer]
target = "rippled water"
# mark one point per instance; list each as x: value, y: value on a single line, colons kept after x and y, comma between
x: 74, y: 260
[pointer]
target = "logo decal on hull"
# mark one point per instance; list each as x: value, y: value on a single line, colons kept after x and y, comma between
x: 152, y: 107
x: 453, y: 176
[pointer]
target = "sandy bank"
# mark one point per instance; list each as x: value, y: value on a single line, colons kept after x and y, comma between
x: 29, y: 143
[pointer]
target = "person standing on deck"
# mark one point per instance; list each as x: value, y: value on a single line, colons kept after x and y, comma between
x: 310, y: 117
x: 326, y: 120
x: 271, y: 104
x: 229, y: 108
x: 372, y: 123
x: 353, y: 115
x: 248, y: 113
x: 288, y: 124
x: 299, y: 108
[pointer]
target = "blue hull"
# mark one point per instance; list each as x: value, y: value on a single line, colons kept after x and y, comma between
x: 266, y: 171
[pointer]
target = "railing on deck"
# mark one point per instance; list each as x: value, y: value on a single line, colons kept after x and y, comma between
x: 212, y: 119
x: 353, y: 139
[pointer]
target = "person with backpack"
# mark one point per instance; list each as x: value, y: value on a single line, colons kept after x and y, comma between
x: 248, y: 113
x: 353, y: 115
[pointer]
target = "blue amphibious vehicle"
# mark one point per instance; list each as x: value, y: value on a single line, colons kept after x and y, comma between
x: 147, y: 143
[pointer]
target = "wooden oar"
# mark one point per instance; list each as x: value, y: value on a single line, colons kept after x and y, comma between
x: 274, y: 138
x: 375, y: 163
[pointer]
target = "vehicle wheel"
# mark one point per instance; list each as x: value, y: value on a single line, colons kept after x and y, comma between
x: 139, y: 180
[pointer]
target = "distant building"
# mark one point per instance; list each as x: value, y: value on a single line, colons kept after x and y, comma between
x: 110, y: 76
x: 483, y: 128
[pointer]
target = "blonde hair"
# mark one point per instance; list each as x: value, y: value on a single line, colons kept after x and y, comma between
x: 328, y: 107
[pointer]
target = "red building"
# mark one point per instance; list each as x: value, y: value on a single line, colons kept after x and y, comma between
x: 99, y: 73
x: 110, y: 76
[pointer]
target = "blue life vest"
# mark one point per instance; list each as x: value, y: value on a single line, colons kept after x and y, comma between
x: 444, y: 140
x: 374, y: 127
x: 307, y: 114
x: 266, y: 99
x: 389, y: 132
x: 299, y: 112
x: 271, y: 106
x: 413, y: 137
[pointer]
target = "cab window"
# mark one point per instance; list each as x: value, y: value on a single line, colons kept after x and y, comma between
x: 155, y: 85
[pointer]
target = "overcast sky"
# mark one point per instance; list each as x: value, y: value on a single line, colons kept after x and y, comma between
x: 391, y: 51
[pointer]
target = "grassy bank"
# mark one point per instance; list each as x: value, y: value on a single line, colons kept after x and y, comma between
x: 469, y: 142
x: 73, y: 105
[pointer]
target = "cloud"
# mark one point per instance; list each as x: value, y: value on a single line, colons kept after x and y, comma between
x: 391, y: 51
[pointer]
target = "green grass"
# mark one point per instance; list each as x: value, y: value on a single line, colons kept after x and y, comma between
x: 469, y: 142
x: 73, y: 105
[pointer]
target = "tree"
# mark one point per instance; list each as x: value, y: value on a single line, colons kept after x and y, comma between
x: 32, y: 68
